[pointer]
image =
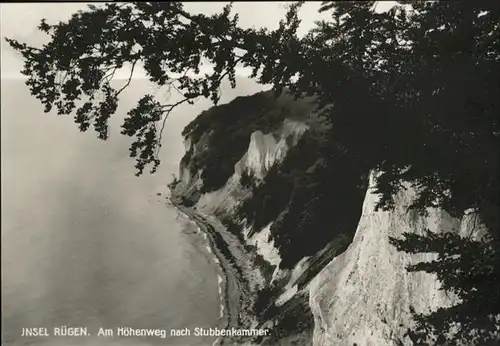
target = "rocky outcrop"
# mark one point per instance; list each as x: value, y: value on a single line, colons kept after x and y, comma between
x: 364, y: 296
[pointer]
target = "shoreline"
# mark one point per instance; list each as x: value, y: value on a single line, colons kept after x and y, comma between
x: 230, y: 285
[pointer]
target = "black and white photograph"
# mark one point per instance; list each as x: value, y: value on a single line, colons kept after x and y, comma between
x: 250, y: 173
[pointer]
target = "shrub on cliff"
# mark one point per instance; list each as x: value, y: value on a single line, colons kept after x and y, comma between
x: 247, y: 180
x: 412, y: 92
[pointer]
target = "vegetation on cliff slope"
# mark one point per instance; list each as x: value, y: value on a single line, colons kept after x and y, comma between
x: 303, y: 195
x: 229, y: 128
x: 413, y: 93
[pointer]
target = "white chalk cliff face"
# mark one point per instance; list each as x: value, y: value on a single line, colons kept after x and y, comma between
x: 190, y: 182
x: 363, y: 296
x: 264, y: 151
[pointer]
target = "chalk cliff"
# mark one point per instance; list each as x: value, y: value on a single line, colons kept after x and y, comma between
x: 264, y: 149
x: 364, y: 296
x: 316, y: 253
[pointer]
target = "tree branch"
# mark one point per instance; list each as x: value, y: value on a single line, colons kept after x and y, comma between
x: 129, y: 78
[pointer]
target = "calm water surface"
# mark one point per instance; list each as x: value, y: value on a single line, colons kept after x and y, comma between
x: 86, y: 243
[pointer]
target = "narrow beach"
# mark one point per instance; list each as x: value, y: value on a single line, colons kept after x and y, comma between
x: 232, y: 288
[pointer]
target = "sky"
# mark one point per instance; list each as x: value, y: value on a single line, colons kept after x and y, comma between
x: 19, y: 21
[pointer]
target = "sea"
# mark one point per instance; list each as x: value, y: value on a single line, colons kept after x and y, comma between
x: 86, y: 243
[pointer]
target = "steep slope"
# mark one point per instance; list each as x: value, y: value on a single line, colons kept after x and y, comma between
x: 264, y: 151
x: 276, y: 193
x: 365, y: 295
x: 295, y: 217
x: 268, y: 163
